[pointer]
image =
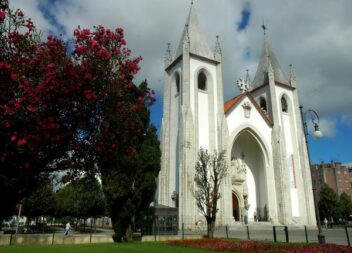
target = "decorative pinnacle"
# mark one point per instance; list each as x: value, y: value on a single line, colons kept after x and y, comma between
x: 292, y: 75
x: 217, y: 46
x: 264, y: 27
x: 168, y: 56
x: 248, y: 80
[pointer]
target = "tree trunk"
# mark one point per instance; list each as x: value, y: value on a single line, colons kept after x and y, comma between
x: 211, y: 229
x: 129, y: 234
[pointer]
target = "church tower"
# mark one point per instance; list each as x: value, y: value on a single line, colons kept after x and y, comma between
x: 277, y: 96
x: 261, y: 131
x: 193, y: 117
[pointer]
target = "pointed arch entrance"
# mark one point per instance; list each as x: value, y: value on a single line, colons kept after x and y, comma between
x: 235, y: 207
x: 249, y: 158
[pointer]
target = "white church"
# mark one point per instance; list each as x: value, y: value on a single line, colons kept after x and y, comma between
x: 260, y: 130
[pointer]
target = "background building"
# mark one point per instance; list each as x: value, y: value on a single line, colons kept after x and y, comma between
x: 336, y: 175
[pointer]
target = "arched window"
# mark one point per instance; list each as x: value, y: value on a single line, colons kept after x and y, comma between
x: 283, y: 104
x: 177, y: 83
x: 202, y: 81
x: 262, y: 103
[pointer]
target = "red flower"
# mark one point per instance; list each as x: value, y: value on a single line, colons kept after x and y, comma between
x: 7, y: 123
x: 13, y: 75
x: 79, y: 49
x: 31, y: 108
x: 85, y: 32
x: 20, y: 14
x: 89, y: 95
x: 119, y: 31
x: 94, y: 44
x: 88, y: 76
x: 21, y: 142
x: 30, y: 25
x: 104, y: 54
x: 2, y: 15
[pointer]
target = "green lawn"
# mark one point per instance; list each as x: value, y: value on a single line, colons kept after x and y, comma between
x: 145, y: 247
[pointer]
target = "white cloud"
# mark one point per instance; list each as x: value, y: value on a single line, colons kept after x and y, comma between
x: 328, y: 127
x: 312, y: 35
x: 347, y: 119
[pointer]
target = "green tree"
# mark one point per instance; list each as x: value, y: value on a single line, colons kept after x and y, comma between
x: 210, y: 172
x: 82, y: 198
x: 89, y: 198
x: 345, y: 206
x: 328, y: 203
x: 66, y: 202
x: 41, y: 202
x: 131, y: 163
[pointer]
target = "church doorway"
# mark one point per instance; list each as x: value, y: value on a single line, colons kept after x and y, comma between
x: 248, y: 156
x: 235, y: 208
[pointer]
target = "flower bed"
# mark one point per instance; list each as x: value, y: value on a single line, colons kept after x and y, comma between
x: 261, y: 247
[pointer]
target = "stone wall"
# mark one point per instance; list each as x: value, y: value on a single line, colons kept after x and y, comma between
x: 47, y: 239
x: 50, y: 239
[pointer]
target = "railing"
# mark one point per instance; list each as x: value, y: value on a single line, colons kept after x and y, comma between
x: 289, y: 234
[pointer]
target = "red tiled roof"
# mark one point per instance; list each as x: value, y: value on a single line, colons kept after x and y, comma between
x: 229, y: 104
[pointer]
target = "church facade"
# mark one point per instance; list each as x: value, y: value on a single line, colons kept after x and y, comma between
x: 260, y: 130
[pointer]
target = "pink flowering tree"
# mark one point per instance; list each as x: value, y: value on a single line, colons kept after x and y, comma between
x: 71, y: 112
x: 126, y: 149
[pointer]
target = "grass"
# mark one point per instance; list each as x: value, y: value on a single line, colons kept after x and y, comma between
x: 137, y: 247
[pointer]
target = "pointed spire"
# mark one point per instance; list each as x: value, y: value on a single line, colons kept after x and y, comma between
x: 268, y: 58
x: 217, y: 50
x: 198, y: 44
x: 168, y: 56
x: 186, y: 40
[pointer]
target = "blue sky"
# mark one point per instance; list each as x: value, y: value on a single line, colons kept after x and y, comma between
x: 312, y: 35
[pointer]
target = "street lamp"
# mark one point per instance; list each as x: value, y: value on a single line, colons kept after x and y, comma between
x: 317, y: 134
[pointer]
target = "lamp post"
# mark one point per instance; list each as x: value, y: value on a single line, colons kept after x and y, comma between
x: 317, y: 134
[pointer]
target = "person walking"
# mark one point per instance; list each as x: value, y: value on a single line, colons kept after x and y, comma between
x: 326, y: 222
x: 67, y: 228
